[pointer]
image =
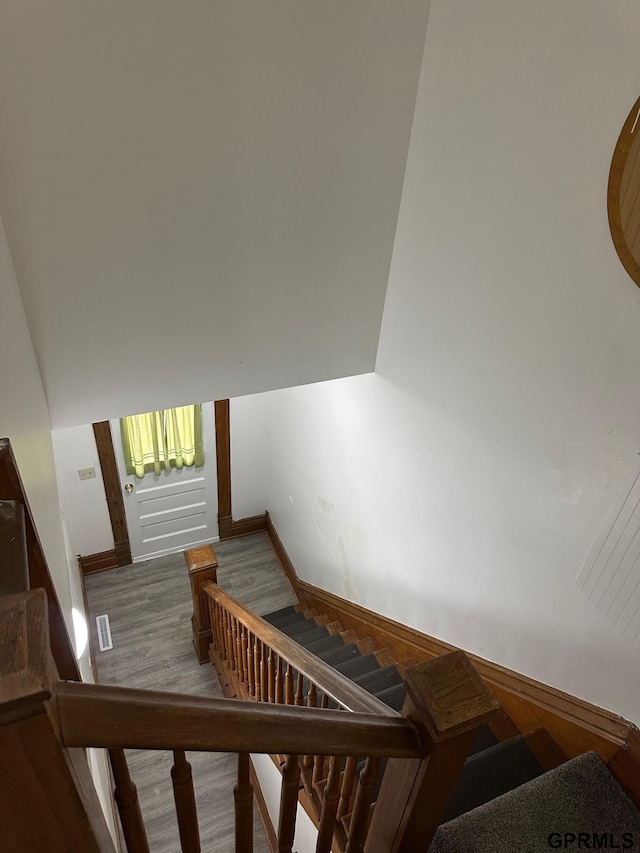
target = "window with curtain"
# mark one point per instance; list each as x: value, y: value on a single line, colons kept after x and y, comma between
x: 159, y: 441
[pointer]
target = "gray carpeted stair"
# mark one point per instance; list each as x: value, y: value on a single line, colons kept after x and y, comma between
x: 503, y: 801
x: 577, y: 806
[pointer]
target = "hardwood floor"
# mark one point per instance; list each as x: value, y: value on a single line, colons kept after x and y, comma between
x: 149, y: 607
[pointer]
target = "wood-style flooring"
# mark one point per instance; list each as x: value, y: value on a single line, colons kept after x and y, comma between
x: 149, y: 607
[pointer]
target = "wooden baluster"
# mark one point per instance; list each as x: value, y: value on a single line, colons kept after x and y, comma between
x: 300, y: 690
x: 215, y: 628
x: 229, y: 638
x: 271, y: 676
x: 264, y: 692
x: 251, y: 675
x: 346, y: 790
x: 126, y: 797
x: 279, y: 682
x: 242, y: 671
x: 364, y: 795
x: 257, y: 655
x: 231, y: 641
x: 288, y: 684
x: 288, y: 804
x: 312, y: 702
x: 329, y: 806
x: 243, y: 799
x: 185, y: 799
x: 235, y: 644
x: 319, y: 761
x: 246, y: 653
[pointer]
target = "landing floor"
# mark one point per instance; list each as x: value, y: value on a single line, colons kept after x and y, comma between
x: 149, y: 606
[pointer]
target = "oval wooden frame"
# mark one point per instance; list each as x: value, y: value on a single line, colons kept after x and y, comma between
x: 618, y: 162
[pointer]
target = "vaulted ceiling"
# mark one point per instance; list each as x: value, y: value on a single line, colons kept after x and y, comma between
x: 200, y: 198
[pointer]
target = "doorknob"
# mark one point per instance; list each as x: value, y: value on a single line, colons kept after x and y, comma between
x: 128, y: 488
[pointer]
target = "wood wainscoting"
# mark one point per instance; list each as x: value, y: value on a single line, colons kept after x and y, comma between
x: 100, y: 562
x: 575, y: 725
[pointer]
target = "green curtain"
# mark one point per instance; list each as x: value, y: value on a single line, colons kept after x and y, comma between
x: 159, y: 441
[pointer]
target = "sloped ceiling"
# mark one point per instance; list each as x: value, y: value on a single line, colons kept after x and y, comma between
x: 200, y: 197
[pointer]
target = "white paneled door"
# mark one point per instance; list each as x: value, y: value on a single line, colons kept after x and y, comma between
x: 175, y: 510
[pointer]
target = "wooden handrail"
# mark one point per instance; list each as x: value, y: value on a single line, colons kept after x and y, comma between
x: 100, y: 715
x: 341, y: 689
x: 46, y: 793
x: 11, y: 488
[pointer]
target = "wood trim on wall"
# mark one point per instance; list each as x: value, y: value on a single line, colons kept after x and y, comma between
x: 230, y: 529
x: 113, y: 492
x: 575, y: 725
x: 227, y: 527
x: 101, y: 562
x: 223, y: 458
x: 12, y: 489
x: 283, y: 557
x: 263, y: 811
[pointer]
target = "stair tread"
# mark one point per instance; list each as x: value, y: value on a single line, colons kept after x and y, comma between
x: 283, y: 611
x: 288, y: 619
x: 484, y: 740
x: 490, y: 773
x: 299, y: 629
x: 380, y: 679
x: 393, y: 696
x: 339, y: 655
x: 309, y: 635
x: 580, y: 795
x: 358, y: 666
x: 333, y: 641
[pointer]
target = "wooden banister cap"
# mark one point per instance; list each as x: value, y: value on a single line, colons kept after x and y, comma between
x: 449, y: 696
x: 24, y: 650
x: 203, y: 557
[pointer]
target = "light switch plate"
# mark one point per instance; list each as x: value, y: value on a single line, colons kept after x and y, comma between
x: 86, y: 473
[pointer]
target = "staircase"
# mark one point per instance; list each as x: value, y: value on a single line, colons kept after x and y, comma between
x: 513, y: 793
x: 453, y: 772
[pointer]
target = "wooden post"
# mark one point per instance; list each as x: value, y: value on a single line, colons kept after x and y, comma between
x: 447, y: 702
x: 203, y: 566
x: 47, y: 798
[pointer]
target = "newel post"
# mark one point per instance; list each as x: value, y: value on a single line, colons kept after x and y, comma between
x: 47, y: 797
x: 447, y: 702
x: 203, y: 566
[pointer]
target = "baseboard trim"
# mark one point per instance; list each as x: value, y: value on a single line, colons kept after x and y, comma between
x: 230, y: 529
x: 263, y: 811
x: 575, y: 725
x: 283, y: 557
x: 101, y: 562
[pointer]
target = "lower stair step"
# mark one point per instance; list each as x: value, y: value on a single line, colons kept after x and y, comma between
x: 282, y: 612
x: 324, y: 644
x: 579, y: 805
x: 393, y: 696
x: 342, y: 654
x: 310, y: 633
x: 492, y: 772
x: 379, y: 680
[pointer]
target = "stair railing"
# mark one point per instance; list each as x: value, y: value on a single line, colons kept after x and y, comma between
x: 45, y: 720
x: 264, y: 664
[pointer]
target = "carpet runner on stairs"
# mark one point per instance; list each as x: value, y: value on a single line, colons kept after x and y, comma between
x: 503, y: 802
x: 577, y: 806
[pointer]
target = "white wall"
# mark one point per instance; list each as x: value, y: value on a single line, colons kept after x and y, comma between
x: 83, y: 501
x: 270, y: 780
x: 249, y: 436
x: 201, y: 198
x: 460, y: 488
x: 24, y: 419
